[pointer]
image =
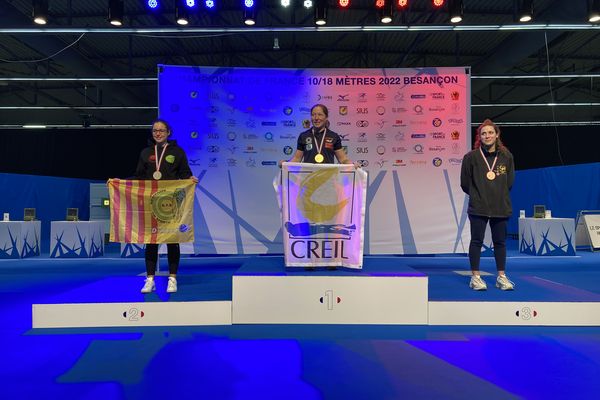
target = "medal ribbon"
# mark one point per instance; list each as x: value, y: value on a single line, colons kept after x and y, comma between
x: 486, y: 161
x: 319, y: 147
x: 158, y: 161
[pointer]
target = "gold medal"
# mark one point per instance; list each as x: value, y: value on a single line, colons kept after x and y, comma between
x: 157, y: 175
x: 319, y: 158
x: 490, y: 175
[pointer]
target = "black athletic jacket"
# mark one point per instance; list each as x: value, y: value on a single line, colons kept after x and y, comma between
x: 488, y: 198
x: 174, y: 163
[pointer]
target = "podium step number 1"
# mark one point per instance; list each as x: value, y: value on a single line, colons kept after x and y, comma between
x: 587, y: 232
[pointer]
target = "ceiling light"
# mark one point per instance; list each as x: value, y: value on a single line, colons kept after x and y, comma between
x: 455, y: 11
x: 387, y: 12
x: 40, y: 12
x: 182, y: 15
x: 526, y: 11
x: 249, y: 12
x: 594, y: 14
x: 321, y: 12
x: 115, y: 12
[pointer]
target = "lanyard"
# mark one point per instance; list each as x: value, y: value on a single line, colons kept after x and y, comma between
x: 490, y: 174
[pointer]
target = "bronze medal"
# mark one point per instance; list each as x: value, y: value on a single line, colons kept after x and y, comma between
x: 491, y: 175
x: 157, y: 174
x: 319, y: 158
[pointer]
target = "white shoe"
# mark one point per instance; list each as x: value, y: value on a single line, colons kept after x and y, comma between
x: 503, y: 283
x: 477, y: 283
x: 149, y: 285
x: 172, y: 286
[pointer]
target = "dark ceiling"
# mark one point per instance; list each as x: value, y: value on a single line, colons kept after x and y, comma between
x: 51, y: 75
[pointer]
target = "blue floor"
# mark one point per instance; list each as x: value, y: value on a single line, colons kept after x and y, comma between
x: 291, y: 361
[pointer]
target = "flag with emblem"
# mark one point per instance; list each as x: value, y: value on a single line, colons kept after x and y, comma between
x: 323, y: 212
x: 151, y: 211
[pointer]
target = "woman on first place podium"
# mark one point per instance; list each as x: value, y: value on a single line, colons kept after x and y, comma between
x: 318, y: 144
x: 487, y: 175
x: 163, y: 160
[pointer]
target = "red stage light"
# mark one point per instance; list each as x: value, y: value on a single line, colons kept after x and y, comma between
x: 402, y: 4
x: 344, y: 3
x: 379, y: 4
x: 438, y: 3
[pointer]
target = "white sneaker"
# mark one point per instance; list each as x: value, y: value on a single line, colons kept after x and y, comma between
x: 477, y: 283
x: 149, y: 285
x: 172, y: 286
x: 503, y: 283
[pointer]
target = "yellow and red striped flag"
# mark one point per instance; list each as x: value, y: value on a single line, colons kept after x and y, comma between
x: 151, y: 211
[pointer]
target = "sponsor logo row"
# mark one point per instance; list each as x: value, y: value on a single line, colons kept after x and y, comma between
x: 361, y: 97
x: 359, y: 123
x: 253, y: 162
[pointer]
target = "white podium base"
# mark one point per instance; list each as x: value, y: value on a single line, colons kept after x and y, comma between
x: 514, y: 313
x: 330, y: 300
x: 85, y: 315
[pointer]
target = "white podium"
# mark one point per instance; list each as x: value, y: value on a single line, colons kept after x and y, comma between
x: 547, y: 236
x: 20, y: 239
x: 76, y: 239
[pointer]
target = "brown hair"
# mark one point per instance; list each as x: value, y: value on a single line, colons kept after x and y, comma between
x: 165, y: 123
x: 323, y: 107
x: 488, y: 122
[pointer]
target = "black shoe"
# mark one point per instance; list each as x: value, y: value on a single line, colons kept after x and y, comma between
x: 332, y: 268
x: 309, y: 268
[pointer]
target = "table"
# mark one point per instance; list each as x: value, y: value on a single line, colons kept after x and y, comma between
x: 547, y: 236
x: 76, y: 239
x: 20, y: 239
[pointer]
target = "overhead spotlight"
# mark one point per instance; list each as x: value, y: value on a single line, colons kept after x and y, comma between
x: 343, y: 4
x: 285, y: 3
x: 402, y: 5
x: 455, y: 11
x: 40, y: 12
x: 321, y: 12
x: 438, y: 3
x: 526, y: 11
x: 387, y: 12
x: 182, y: 12
x: 209, y: 4
x: 594, y: 14
x: 308, y: 3
x: 115, y: 12
x: 249, y: 12
x: 153, y: 5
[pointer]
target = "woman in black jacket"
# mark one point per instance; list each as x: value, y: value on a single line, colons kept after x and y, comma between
x: 487, y: 175
x: 163, y: 160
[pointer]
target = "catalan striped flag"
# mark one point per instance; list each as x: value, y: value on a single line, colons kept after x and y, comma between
x: 151, y: 211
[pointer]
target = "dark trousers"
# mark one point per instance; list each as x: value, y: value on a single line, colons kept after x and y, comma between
x: 152, y: 258
x: 498, y: 227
